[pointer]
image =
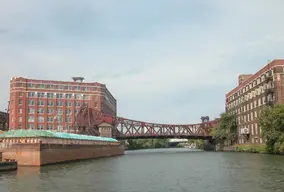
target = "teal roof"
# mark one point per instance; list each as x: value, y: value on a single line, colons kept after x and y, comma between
x: 47, y: 133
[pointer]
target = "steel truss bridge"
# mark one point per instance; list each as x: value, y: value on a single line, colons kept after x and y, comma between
x: 88, y: 120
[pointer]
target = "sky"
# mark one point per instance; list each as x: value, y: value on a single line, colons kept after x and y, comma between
x: 165, y: 61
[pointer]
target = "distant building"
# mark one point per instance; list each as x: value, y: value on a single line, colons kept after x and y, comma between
x: 53, y: 105
x: 265, y: 87
x: 4, y: 117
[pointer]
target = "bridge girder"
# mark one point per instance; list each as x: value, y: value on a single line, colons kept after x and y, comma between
x: 126, y: 128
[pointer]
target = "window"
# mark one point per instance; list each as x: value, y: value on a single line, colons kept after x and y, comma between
x: 50, y: 86
x: 68, y: 119
x: 41, y: 95
x: 68, y: 112
x: 31, y: 94
x: 59, y: 119
x: 50, y: 95
x: 31, y: 119
x: 20, y: 110
x: 59, y: 127
x: 20, y: 119
x: 77, y: 88
x: 20, y: 101
x: 59, y: 96
x: 59, y: 103
x: 40, y: 126
x: 19, y: 85
x: 86, y: 97
x: 40, y: 103
x: 50, y: 119
x: 49, y: 103
x: 31, y: 102
x: 78, y: 96
x: 31, y: 111
x: 31, y: 126
x: 40, y: 110
x: 30, y: 85
x: 20, y: 94
x: 59, y: 111
x: 49, y: 126
x: 69, y: 103
x: 41, y: 86
x: 40, y: 119
x: 68, y: 96
x: 50, y: 111
x: 78, y: 104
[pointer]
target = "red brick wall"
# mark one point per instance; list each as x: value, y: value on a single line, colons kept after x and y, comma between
x: 18, y: 91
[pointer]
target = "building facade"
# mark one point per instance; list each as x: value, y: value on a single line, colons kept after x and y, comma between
x: 264, y: 88
x: 3, y: 121
x: 53, y: 105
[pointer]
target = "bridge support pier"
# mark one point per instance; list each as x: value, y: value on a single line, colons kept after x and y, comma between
x: 209, y: 145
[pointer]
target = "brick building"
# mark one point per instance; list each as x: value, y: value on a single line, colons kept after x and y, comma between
x: 264, y: 88
x: 53, y: 105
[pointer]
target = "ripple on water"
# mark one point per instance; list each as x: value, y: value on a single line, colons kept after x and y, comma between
x: 163, y: 170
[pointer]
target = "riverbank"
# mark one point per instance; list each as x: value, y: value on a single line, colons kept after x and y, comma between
x: 248, y: 148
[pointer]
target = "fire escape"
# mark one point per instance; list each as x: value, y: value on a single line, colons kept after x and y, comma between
x: 269, y: 90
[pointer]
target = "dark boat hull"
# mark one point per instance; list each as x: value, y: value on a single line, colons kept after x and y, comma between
x: 8, y: 166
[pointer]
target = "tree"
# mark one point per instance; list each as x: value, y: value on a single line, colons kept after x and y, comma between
x: 271, y: 121
x: 226, y: 128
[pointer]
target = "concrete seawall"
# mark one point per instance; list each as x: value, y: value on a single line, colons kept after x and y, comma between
x: 43, y: 154
x: 42, y: 147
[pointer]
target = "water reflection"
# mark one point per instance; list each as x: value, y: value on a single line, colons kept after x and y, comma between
x: 162, y: 170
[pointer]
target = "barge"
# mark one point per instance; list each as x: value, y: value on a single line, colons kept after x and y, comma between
x: 42, y: 147
x: 8, y: 166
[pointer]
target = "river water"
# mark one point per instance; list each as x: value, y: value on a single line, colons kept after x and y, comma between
x: 159, y: 170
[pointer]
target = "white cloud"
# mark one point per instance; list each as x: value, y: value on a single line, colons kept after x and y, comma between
x: 141, y: 66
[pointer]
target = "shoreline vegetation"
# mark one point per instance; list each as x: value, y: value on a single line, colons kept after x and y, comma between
x: 271, y: 122
x: 137, y: 144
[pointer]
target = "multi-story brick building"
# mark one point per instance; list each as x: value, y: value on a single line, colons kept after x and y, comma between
x: 53, y: 105
x: 264, y: 88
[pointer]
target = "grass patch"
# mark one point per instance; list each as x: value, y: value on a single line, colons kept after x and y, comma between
x: 251, y: 148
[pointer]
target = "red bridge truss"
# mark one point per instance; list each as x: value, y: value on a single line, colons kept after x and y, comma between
x: 88, y: 121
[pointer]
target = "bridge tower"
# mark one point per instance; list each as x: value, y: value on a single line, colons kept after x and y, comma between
x: 209, y: 144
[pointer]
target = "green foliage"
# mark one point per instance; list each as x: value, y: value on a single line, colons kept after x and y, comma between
x: 180, y: 145
x: 147, y: 143
x: 198, y: 142
x: 271, y: 121
x: 226, y: 128
x: 251, y: 148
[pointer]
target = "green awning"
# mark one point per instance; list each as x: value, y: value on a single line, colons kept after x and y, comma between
x: 20, y: 133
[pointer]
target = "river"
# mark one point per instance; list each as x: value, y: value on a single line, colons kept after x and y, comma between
x: 158, y: 170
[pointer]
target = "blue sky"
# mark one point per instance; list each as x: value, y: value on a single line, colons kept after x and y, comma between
x: 166, y: 61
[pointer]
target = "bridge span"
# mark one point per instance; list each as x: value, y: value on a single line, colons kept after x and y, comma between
x: 89, y: 121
